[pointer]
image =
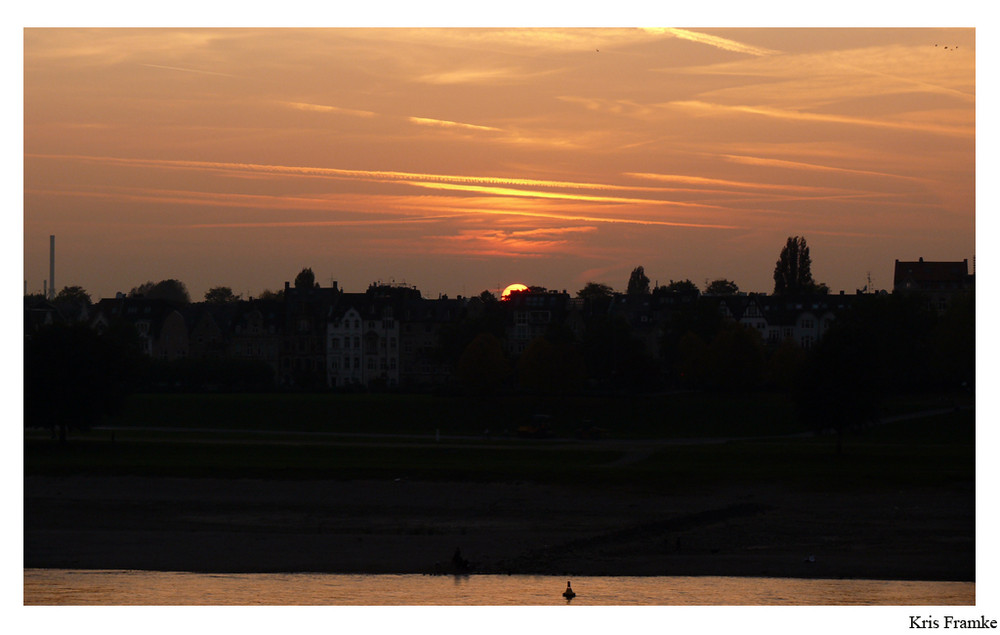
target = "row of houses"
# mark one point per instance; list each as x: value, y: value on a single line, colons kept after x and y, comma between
x: 391, y: 336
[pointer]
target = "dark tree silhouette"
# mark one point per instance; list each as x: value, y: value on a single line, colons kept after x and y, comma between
x: 793, y: 271
x: 594, y: 291
x: 638, y: 282
x: 680, y: 285
x: 552, y: 367
x: 306, y: 279
x: 736, y: 358
x: 171, y: 290
x: 482, y: 367
x: 73, y: 376
x: 75, y: 295
x: 220, y: 295
x: 267, y: 294
x: 487, y: 297
x: 722, y: 287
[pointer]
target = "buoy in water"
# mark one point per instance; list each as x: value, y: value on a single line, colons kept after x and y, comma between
x: 568, y: 593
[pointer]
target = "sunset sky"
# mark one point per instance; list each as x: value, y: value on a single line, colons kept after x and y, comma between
x: 460, y: 160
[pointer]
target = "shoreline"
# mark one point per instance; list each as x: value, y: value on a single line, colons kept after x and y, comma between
x: 213, y: 525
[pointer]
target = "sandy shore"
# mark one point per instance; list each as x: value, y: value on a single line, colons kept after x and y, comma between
x: 246, y: 525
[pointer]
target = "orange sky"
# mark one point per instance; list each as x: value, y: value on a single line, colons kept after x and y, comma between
x: 459, y: 160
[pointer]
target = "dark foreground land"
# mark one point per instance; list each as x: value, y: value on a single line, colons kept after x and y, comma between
x: 897, y: 503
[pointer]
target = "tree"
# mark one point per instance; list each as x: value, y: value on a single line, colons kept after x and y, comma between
x: 306, y: 279
x: 171, y: 290
x: 793, y: 271
x: 681, y: 286
x: 76, y: 295
x: 73, y: 376
x: 487, y: 297
x: 220, y: 295
x: 595, y: 291
x: 552, y: 367
x: 142, y: 290
x: 482, y: 367
x: 736, y: 358
x: 638, y: 282
x: 722, y: 287
x: 267, y: 294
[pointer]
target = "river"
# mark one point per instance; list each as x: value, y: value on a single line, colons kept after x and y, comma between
x: 125, y: 587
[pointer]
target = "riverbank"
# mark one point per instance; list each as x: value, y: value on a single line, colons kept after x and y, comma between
x: 404, y: 526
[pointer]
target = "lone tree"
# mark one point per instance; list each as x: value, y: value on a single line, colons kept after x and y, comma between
x: 638, y: 282
x: 793, y: 271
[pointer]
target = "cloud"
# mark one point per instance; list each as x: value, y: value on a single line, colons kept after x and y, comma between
x: 778, y: 113
x: 328, y: 109
x: 798, y: 165
x: 710, y: 182
x: 490, y: 242
x: 716, y: 41
x: 188, y: 70
x: 441, y: 123
x: 506, y: 191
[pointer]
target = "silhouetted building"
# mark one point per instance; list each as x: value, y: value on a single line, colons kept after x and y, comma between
x: 302, y: 355
x: 422, y: 364
x: 159, y: 324
x: 257, y: 330
x: 530, y: 315
x: 938, y: 282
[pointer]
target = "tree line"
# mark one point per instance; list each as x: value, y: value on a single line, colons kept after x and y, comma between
x: 883, y: 344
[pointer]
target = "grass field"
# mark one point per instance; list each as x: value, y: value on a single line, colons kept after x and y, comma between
x: 635, y: 416
x: 936, y: 450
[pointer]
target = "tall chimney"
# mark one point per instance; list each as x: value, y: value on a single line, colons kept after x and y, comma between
x: 52, y: 267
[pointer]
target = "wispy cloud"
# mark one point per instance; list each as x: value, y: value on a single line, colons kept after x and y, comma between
x: 501, y: 207
x: 702, y: 107
x: 717, y: 42
x: 189, y: 70
x: 441, y: 123
x: 328, y: 109
x: 491, y: 242
x: 712, y: 182
x: 507, y: 191
x: 798, y: 165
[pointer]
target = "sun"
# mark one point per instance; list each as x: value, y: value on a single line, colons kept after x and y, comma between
x: 512, y: 288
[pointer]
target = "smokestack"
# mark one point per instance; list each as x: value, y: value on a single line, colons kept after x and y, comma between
x: 52, y: 267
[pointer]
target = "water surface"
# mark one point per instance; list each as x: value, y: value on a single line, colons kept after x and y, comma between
x: 122, y: 587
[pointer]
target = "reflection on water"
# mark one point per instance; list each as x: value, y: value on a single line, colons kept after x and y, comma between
x: 113, y: 587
